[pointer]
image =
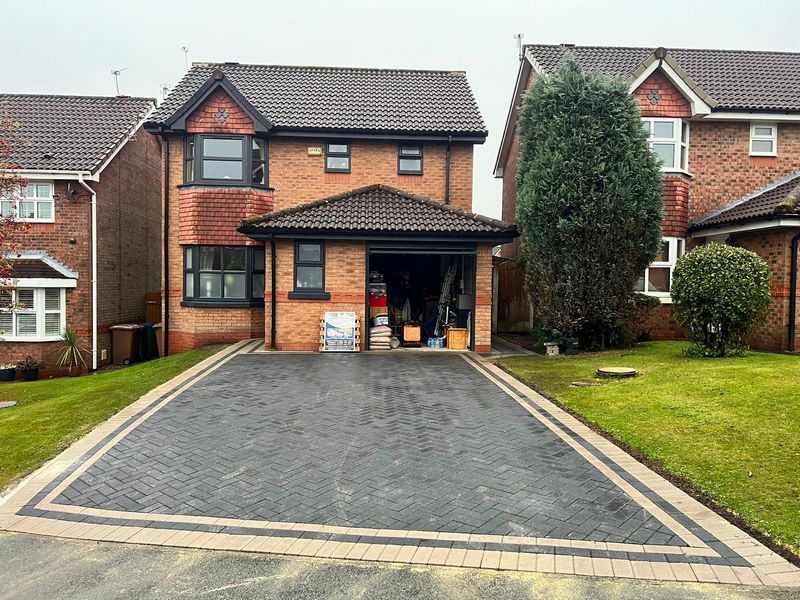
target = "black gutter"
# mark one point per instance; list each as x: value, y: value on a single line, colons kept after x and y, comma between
x: 273, y: 300
x: 793, y: 294
x: 447, y: 171
x: 165, y: 316
x: 497, y: 237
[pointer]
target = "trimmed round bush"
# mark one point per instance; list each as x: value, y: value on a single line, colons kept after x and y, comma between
x: 719, y: 293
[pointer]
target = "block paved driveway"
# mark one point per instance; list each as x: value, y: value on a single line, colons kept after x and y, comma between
x: 405, y: 457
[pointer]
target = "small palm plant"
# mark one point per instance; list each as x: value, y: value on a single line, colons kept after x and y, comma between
x: 71, y: 351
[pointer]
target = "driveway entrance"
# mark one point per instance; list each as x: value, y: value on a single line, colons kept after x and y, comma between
x: 416, y: 457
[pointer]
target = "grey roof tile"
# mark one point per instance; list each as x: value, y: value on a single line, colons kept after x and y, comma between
x: 351, y: 99
x: 378, y: 208
x: 29, y: 268
x: 70, y: 133
x: 779, y: 199
x: 735, y: 79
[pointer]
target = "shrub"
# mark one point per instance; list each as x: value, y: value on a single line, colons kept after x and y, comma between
x: 29, y: 364
x: 719, y: 293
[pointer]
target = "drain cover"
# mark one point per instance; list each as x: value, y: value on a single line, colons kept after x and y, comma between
x: 616, y: 372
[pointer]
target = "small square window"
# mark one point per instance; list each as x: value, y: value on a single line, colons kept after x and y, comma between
x: 337, y: 157
x: 763, y: 139
x: 409, y: 159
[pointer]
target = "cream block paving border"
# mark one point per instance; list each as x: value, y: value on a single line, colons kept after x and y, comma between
x: 272, y: 537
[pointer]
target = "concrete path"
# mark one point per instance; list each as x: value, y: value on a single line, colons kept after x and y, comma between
x: 53, y: 568
x: 418, y: 459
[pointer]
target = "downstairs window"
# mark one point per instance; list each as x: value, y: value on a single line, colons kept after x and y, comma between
x: 657, y: 278
x: 32, y: 314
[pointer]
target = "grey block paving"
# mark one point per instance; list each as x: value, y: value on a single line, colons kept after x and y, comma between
x: 416, y: 441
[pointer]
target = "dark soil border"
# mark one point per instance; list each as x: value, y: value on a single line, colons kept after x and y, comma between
x: 680, y: 482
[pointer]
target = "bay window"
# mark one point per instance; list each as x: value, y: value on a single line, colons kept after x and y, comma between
x: 32, y: 314
x: 223, y: 275
x: 657, y: 278
x: 669, y: 140
x: 33, y: 203
x: 225, y: 159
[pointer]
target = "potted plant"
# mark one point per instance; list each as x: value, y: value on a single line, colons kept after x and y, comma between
x: 71, y: 353
x: 30, y: 368
x: 7, y: 372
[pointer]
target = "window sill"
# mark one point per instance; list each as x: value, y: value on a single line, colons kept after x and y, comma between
x: 34, y: 221
x: 665, y: 299
x: 309, y: 295
x: 211, y: 303
x: 225, y: 184
x: 417, y: 173
x: 18, y: 339
x: 676, y: 172
x: 764, y: 154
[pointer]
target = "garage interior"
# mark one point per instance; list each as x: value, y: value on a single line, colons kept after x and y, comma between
x: 421, y: 297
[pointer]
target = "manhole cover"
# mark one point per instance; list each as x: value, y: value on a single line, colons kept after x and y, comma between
x: 616, y: 372
x: 7, y: 404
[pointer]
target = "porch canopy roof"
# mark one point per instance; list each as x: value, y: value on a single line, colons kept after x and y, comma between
x: 777, y: 204
x: 378, y: 212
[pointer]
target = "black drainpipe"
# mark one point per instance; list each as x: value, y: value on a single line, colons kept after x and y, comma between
x: 793, y: 294
x: 165, y: 316
x: 273, y: 303
x: 447, y: 171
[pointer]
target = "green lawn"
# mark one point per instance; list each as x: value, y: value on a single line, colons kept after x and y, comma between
x: 729, y: 426
x: 54, y: 413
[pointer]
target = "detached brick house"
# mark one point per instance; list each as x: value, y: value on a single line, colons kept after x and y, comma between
x: 286, y: 186
x: 726, y: 125
x: 91, y: 251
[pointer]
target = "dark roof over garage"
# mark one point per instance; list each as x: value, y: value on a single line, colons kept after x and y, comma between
x: 779, y: 199
x: 70, y: 133
x: 390, y: 101
x: 735, y: 79
x: 377, y: 209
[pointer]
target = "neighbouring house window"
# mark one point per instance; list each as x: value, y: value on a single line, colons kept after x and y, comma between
x: 220, y: 159
x: 337, y: 157
x: 34, y: 204
x: 223, y: 274
x: 763, y: 139
x: 32, y: 314
x: 669, y: 140
x: 657, y: 278
x: 409, y: 159
x: 309, y: 266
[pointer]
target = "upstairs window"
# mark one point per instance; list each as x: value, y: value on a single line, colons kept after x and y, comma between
x: 337, y: 157
x: 657, y: 278
x: 33, y: 203
x: 763, y: 139
x: 223, y: 274
x: 669, y: 140
x: 409, y: 159
x: 224, y: 160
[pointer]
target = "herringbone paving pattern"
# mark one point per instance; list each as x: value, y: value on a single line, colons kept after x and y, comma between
x: 421, y: 443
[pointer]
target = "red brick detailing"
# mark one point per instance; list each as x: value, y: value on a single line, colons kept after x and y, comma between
x: 722, y: 168
x: 212, y: 215
x: 676, y: 206
x: 204, y: 119
x: 129, y: 240
x: 483, y: 299
x: 671, y: 103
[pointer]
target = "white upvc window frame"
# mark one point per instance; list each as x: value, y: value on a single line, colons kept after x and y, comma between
x: 679, y: 140
x: 762, y: 137
x: 676, y: 249
x: 39, y: 309
x: 10, y: 206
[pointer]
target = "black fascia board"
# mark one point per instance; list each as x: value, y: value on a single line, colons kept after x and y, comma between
x: 309, y: 132
x: 498, y: 237
x: 177, y: 122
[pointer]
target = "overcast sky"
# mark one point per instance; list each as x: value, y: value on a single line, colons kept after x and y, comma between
x: 70, y: 47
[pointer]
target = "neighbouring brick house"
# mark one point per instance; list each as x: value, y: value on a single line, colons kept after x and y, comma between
x: 285, y: 186
x: 91, y: 250
x: 726, y: 124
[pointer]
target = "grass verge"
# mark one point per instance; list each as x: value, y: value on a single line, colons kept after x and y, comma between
x: 728, y: 427
x: 52, y: 414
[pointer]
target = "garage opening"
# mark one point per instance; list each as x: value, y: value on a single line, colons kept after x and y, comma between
x: 421, y: 297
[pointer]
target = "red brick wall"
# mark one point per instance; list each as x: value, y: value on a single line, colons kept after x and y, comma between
x: 774, y: 247
x: 670, y: 103
x: 298, y: 177
x: 129, y: 237
x: 204, y: 119
x: 676, y: 206
x: 210, y: 215
x: 483, y: 299
x: 722, y: 168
